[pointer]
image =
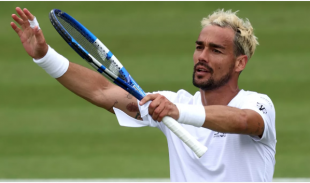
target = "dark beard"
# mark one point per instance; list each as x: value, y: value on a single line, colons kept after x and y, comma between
x: 211, y: 84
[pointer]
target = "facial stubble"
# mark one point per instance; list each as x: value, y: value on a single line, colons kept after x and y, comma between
x: 211, y: 83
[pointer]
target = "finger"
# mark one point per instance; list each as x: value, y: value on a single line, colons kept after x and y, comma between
x: 155, y: 103
x: 18, y: 9
x: 158, y: 112
x: 17, y: 19
x: 21, y: 14
x: 16, y: 29
x: 144, y: 100
x: 162, y: 115
x: 147, y: 98
x: 169, y: 110
x: 28, y: 14
x: 22, y: 20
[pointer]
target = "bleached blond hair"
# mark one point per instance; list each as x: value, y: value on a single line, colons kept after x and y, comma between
x: 245, y: 41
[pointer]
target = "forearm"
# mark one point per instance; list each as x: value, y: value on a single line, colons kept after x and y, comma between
x: 222, y: 118
x: 218, y: 118
x: 226, y: 119
x: 82, y: 81
x: 98, y: 90
x: 86, y: 83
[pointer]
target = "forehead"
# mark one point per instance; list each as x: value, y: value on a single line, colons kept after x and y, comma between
x: 218, y: 35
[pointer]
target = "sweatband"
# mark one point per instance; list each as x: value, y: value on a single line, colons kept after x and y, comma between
x: 191, y: 114
x: 34, y: 23
x: 53, y: 63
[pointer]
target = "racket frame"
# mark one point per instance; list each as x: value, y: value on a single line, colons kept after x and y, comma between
x: 129, y: 85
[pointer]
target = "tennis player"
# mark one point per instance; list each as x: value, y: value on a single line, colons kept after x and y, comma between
x: 237, y: 126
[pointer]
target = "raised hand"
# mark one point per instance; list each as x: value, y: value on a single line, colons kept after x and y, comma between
x: 31, y: 38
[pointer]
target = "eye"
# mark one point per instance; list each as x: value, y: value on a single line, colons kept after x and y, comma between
x: 199, y: 47
x: 216, y: 51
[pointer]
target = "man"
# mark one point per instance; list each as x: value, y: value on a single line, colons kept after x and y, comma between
x: 237, y: 126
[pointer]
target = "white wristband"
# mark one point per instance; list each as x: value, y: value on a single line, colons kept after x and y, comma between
x: 191, y: 114
x: 53, y: 63
x: 34, y: 23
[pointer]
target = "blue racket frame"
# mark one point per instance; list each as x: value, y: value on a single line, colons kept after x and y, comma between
x: 129, y: 84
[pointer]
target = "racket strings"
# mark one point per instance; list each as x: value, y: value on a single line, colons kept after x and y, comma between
x: 89, y: 47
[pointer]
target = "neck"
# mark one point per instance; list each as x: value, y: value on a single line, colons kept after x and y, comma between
x: 219, y: 96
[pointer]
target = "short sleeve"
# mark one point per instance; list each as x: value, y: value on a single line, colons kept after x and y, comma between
x: 263, y: 105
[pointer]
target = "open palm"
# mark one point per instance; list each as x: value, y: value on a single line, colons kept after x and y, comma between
x: 31, y: 38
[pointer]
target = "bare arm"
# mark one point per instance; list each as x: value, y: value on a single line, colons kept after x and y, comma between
x: 218, y: 117
x: 96, y: 89
x: 82, y: 81
x: 233, y: 120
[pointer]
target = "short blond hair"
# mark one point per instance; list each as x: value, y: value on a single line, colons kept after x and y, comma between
x: 245, y: 41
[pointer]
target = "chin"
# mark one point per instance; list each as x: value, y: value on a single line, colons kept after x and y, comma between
x: 201, y: 82
x: 203, y: 79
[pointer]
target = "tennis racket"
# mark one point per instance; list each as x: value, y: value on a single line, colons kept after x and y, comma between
x: 90, y: 48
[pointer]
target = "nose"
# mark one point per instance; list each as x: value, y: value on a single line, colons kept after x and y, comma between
x: 203, y: 56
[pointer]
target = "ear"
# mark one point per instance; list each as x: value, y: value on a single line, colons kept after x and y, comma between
x: 241, y: 62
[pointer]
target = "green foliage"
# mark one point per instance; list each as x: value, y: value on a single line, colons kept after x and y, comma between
x: 48, y: 132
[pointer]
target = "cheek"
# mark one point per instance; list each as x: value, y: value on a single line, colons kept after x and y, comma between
x: 219, y: 70
x: 221, y: 65
x: 195, y: 57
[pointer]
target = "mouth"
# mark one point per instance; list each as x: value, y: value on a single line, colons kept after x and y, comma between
x: 201, y: 73
x: 201, y: 70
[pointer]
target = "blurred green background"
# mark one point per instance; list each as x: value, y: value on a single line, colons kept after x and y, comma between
x: 48, y: 132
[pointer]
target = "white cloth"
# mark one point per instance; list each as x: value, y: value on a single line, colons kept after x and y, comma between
x: 230, y: 157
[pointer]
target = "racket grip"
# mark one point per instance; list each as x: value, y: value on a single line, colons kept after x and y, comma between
x: 187, y: 138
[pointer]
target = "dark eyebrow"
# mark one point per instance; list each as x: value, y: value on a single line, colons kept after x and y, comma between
x: 213, y: 45
x: 199, y: 42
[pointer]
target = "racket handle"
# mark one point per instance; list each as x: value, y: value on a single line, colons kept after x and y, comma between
x: 187, y: 138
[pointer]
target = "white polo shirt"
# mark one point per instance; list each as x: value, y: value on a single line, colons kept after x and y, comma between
x: 230, y: 157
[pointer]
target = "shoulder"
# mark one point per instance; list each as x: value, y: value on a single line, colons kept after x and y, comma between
x: 258, y: 102
x: 249, y: 96
x: 263, y: 105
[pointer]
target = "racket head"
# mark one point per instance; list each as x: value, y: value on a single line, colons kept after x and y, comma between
x: 121, y: 78
x: 90, y: 48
